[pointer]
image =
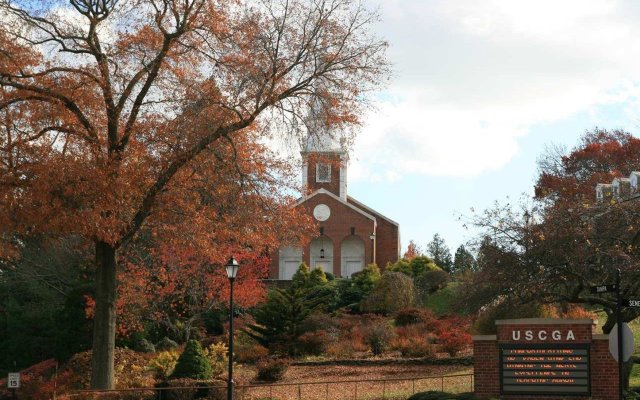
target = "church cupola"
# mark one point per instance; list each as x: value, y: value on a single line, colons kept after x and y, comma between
x: 324, y: 157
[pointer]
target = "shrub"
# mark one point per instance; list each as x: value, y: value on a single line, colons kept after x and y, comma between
x: 218, y: 356
x: 575, y: 311
x: 413, y: 347
x: 272, y: 369
x: 485, y: 324
x: 312, y: 343
x: 129, y: 370
x: 377, y: 336
x: 430, y: 282
x: 166, y: 344
x: 415, y: 267
x: 341, y: 350
x: 192, y: 363
x: 319, y: 322
x: 393, y: 292
x: 454, y: 341
x: 433, y: 395
x: 366, y: 279
x: 144, y: 346
x: 250, y: 354
x: 411, y: 316
x: 163, y: 364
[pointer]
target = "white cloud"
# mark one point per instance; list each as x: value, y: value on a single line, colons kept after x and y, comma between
x: 473, y: 76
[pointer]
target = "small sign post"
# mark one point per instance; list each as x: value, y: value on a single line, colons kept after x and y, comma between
x: 603, y: 289
x: 615, y: 288
x: 14, y: 380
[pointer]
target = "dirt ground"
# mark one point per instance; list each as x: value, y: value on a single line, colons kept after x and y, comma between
x: 344, y: 382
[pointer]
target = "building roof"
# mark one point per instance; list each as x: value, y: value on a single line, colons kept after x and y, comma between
x: 361, y: 205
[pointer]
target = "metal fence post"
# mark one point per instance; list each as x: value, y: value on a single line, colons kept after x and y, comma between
x: 299, y: 392
x: 384, y: 389
x: 442, y: 383
x: 413, y: 388
x: 355, y: 395
x: 326, y: 391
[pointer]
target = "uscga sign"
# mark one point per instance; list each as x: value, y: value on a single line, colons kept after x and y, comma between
x: 542, y: 335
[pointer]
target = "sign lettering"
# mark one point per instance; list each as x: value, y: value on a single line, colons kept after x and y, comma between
x: 631, y: 303
x: 545, y: 368
x: 603, y: 289
x: 542, y: 335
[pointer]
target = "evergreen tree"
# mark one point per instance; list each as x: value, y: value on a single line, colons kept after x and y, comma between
x: 439, y: 251
x: 193, y: 363
x: 463, y: 261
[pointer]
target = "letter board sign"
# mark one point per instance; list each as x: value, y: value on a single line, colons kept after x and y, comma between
x: 545, y: 368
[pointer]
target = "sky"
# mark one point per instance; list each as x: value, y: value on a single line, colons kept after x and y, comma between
x: 479, y: 89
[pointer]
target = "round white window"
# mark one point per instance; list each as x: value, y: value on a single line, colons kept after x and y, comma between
x: 322, y: 212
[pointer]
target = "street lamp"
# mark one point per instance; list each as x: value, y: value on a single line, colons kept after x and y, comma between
x: 232, y: 271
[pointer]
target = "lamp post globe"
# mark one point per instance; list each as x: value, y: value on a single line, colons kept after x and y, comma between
x: 231, y: 267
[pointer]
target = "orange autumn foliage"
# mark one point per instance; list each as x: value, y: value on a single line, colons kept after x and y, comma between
x: 129, y: 121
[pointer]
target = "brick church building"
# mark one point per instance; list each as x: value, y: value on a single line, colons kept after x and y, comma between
x: 349, y: 233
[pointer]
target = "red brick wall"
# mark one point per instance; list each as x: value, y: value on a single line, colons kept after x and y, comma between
x: 604, y: 383
x: 336, y: 228
x: 486, y: 372
x: 334, y: 161
x: 604, y: 370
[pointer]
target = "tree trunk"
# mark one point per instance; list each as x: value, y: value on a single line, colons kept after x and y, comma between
x: 104, y: 319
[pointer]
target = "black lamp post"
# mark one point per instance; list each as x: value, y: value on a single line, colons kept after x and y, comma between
x: 232, y: 271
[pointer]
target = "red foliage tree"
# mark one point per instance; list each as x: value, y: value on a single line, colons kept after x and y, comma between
x: 112, y: 111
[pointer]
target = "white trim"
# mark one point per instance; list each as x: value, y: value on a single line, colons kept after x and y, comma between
x: 352, y: 200
x: 333, y: 196
x: 343, y: 181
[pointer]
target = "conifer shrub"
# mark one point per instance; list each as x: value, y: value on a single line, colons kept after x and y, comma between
x: 193, y: 363
x: 166, y: 344
x: 144, y: 346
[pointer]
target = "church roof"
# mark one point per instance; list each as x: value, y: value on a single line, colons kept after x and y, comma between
x: 371, y: 210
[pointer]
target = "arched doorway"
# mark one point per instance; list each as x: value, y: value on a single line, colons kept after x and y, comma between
x: 322, y: 253
x: 352, y: 252
x: 290, y: 260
